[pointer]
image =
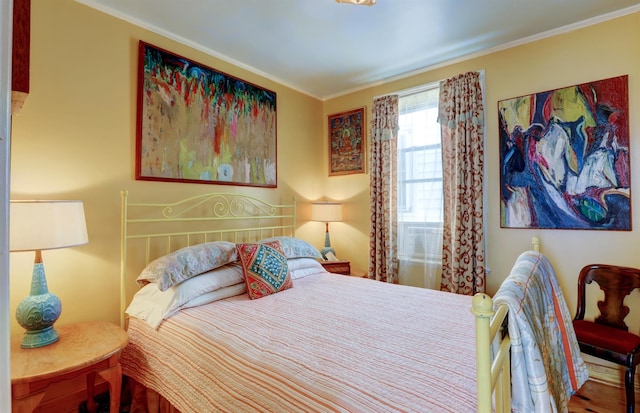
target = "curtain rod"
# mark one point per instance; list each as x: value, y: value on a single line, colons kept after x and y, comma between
x: 416, y: 89
x: 412, y: 90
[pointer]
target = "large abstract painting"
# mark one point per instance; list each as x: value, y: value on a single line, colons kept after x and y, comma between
x: 564, y: 158
x: 196, y: 124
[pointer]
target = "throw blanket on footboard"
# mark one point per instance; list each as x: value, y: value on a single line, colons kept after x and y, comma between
x: 331, y: 343
x: 546, y: 364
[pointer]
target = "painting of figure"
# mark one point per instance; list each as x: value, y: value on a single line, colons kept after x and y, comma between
x: 347, y: 142
x: 564, y: 158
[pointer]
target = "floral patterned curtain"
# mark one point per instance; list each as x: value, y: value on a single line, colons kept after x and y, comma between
x: 461, y: 115
x: 383, y: 249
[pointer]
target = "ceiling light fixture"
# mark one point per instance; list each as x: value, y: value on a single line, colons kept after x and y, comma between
x: 360, y: 2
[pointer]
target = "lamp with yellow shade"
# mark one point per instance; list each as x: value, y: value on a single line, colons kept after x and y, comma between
x: 37, y: 226
x: 326, y: 212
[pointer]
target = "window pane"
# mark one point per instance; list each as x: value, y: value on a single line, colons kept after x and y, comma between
x: 426, y: 198
x: 419, y: 159
x: 423, y: 164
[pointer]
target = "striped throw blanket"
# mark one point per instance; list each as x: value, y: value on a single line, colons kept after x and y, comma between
x: 546, y: 364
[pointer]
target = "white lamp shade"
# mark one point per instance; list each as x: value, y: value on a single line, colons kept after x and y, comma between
x: 326, y: 211
x: 44, y: 225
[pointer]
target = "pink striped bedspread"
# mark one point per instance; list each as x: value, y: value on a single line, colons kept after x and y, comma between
x: 331, y: 343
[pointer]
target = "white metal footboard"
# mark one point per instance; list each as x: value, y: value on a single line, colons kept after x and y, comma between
x: 493, y: 346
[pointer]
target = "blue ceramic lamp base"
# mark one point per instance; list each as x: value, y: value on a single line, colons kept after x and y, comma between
x: 39, y: 338
x: 37, y: 312
x: 327, y: 245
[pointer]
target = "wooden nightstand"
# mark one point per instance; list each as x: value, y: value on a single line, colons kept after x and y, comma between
x: 337, y: 267
x: 85, y: 348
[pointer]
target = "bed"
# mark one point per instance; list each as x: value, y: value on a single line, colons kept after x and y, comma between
x: 324, y: 343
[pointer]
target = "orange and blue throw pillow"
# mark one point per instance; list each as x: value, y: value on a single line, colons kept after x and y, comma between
x: 265, y: 268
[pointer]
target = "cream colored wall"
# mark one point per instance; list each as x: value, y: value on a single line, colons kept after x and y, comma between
x: 75, y: 139
x: 596, y: 52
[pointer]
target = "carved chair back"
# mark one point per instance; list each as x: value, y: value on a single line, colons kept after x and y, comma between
x: 617, y: 282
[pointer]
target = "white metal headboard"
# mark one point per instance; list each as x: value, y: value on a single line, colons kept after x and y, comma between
x: 150, y: 230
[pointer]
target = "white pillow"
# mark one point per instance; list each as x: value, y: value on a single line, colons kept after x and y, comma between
x: 225, y: 292
x: 153, y: 306
x: 302, y: 267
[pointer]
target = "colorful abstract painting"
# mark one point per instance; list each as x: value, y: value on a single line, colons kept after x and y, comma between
x: 347, y: 142
x: 564, y: 158
x: 196, y: 124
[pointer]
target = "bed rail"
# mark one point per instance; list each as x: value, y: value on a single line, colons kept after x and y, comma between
x: 493, y: 372
x: 160, y: 228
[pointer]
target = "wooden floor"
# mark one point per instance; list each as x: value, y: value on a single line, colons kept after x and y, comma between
x: 593, y: 397
x: 600, y: 398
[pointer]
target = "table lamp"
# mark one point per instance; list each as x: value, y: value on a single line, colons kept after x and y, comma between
x: 326, y: 212
x: 37, y: 226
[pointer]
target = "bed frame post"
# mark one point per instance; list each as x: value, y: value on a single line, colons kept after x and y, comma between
x: 482, y: 308
x: 536, y: 243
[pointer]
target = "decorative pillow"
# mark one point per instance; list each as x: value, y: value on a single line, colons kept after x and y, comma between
x: 180, y: 265
x: 265, y: 268
x: 153, y: 306
x: 295, y: 247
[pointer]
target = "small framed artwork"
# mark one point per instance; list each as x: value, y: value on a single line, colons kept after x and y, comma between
x: 347, y: 142
x: 564, y: 158
x: 196, y: 124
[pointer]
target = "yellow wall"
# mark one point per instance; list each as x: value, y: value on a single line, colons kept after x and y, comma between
x: 75, y: 138
x: 596, y: 52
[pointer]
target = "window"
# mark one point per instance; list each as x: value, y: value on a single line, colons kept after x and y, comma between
x: 420, y: 212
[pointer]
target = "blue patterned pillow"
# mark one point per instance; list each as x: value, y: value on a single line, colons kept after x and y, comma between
x: 295, y: 247
x: 180, y: 265
x: 265, y: 268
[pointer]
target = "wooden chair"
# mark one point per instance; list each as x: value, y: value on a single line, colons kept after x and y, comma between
x: 608, y: 337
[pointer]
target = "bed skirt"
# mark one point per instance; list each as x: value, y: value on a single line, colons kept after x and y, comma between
x: 145, y: 400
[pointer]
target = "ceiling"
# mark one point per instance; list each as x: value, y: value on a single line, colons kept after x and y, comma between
x: 325, y: 49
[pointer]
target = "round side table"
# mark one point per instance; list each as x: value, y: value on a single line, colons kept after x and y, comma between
x: 84, y: 348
